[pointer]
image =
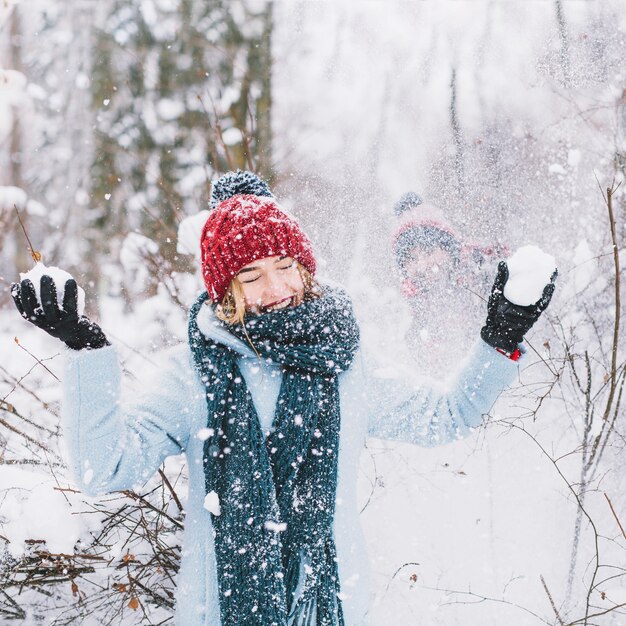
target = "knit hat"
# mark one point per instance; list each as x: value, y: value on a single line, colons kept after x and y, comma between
x: 242, y: 229
x: 422, y: 224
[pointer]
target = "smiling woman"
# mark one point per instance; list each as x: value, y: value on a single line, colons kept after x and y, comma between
x: 255, y: 258
x: 272, y: 433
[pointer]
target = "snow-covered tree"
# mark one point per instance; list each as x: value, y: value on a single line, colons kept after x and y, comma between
x: 181, y: 91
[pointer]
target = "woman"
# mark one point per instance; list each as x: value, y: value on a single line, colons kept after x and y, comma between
x: 271, y: 402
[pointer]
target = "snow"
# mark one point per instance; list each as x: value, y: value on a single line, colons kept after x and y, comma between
x: 36, y: 92
x: 204, y: 433
x: 135, y: 250
x: 573, y: 157
x: 168, y: 109
x: 276, y: 527
x: 232, y: 136
x: 82, y: 81
x: 196, y: 177
x: 583, y: 266
x: 149, y: 13
x: 367, y: 121
x: 530, y: 270
x: 12, y: 85
x: 10, y: 196
x: 33, y: 509
x: 59, y: 276
x: 36, y: 208
x: 229, y: 96
x: 557, y: 168
x: 212, y: 503
x: 6, y: 7
x: 189, y: 231
x: 88, y: 476
x: 13, y: 89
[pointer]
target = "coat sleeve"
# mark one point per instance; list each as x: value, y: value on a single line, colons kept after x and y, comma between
x: 113, y: 447
x: 429, y: 413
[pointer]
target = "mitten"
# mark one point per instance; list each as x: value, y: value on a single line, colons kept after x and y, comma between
x: 507, y: 323
x: 77, y: 332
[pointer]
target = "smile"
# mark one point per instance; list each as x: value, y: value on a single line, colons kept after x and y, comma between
x: 281, y: 304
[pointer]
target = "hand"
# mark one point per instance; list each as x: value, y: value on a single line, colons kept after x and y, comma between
x: 507, y: 323
x: 65, y: 324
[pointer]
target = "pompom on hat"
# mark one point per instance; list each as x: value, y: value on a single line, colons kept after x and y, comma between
x: 243, y: 228
x: 407, y: 202
x: 237, y: 183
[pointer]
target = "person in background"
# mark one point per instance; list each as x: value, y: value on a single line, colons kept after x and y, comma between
x: 443, y: 276
x: 270, y: 399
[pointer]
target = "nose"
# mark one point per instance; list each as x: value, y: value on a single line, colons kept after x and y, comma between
x: 276, y: 288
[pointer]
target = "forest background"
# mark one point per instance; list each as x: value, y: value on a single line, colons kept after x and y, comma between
x: 114, y: 118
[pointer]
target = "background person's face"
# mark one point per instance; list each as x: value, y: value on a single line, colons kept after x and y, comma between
x: 271, y: 283
x: 429, y: 268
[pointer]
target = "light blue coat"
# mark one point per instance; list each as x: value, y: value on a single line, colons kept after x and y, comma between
x: 114, y: 447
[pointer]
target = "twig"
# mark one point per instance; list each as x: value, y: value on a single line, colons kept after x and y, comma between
x: 581, y: 509
x: 135, y: 496
x: 158, y: 600
x: 12, y: 380
x: 171, y: 489
x: 602, y: 438
x: 615, y: 515
x: 56, y: 480
x: 218, y: 128
x: 530, y: 345
x: 17, y: 341
x: 29, y: 462
x: 36, y: 255
x: 556, y: 612
x: 482, y: 598
x: 50, y: 555
x: 397, y: 572
x: 212, y: 147
x: 609, y: 203
x: 583, y: 620
x: 28, y: 438
x: 246, y: 137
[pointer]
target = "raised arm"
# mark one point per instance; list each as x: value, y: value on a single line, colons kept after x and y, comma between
x: 427, y: 413
x: 431, y: 414
x: 113, y: 446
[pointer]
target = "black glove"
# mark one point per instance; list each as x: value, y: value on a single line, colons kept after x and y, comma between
x: 507, y: 323
x: 64, y: 324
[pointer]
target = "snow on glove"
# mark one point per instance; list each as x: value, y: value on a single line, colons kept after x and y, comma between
x: 507, y: 323
x: 76, y: 331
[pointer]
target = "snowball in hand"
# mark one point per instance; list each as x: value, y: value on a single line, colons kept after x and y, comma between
x: 59, y: 276
x: 530, y: 270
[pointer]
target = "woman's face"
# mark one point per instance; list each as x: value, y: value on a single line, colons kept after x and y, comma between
x: 271, y: 283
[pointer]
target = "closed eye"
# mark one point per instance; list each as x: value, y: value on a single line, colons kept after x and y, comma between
x: 250, y: 280
x: 286, y: 267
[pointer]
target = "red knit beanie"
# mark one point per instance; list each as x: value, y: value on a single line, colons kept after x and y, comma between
x: 242, y: 229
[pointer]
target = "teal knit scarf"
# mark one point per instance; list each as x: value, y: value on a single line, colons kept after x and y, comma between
x: 274, y: 544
